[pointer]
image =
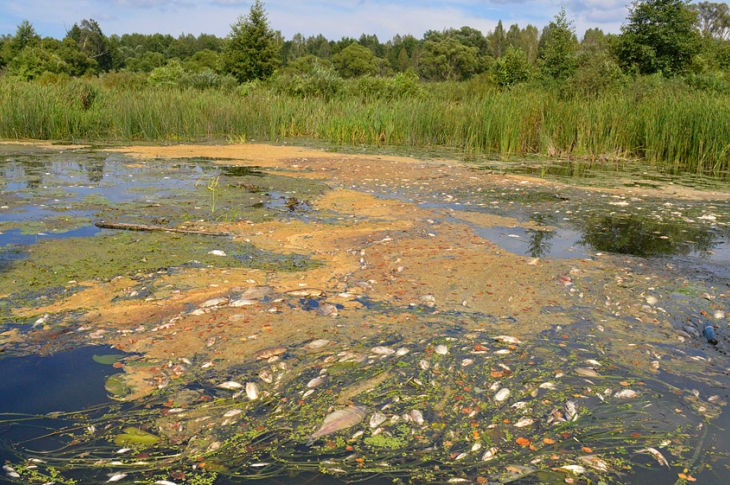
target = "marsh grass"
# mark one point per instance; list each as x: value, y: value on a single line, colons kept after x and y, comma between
x: 666, y: 125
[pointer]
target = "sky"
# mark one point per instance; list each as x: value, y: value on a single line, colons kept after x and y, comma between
x: 332, y: 18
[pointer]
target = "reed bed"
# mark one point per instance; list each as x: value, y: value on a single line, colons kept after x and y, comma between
x: 681, y: 129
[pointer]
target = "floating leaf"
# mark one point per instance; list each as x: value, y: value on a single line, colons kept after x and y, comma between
x: 107, y: 359
x: 135, y: 436
x: 116, y: 386
x: 522, y: 441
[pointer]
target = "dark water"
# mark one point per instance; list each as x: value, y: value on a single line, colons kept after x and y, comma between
x: 42, y: 388
x: 64, y: 381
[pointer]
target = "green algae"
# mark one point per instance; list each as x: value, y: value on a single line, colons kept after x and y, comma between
x: 52, y: 264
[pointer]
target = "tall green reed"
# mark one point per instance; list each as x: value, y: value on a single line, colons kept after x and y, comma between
x: 682, y: 130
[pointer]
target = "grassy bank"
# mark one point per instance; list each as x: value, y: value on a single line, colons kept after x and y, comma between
x: 679, y: 128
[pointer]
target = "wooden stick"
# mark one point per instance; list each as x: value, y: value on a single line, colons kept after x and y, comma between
x: 145, y: 227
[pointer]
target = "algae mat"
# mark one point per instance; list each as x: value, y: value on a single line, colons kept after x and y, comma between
x: 358, y: 285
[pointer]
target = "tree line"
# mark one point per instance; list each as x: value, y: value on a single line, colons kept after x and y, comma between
x: 667, y: 37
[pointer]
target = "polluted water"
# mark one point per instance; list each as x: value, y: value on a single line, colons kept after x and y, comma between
x: 328, y: 318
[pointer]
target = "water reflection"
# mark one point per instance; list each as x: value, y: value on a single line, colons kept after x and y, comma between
x: 637, y: 236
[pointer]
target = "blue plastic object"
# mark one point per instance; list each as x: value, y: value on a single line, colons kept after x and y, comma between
x: 710, y: 334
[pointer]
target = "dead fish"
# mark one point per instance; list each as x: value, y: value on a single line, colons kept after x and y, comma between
x: 507, y: 339
x: 441, y: 349
x: 306, y: 292
x: 256, y: 292
x: 350, y: 356
x: 416, y: 416
x: 214, y: 302
x: 594, y: 362
x: 402, y: 351
x: 165, y: 482
x: 424, y: 364
x: 230, y: 385
x: 524, y: 422
x: 217, y: 252
x: 377, y: 419
x: 382, y: 350
x: 547, y: 385
x: 317, y: 344
x: 266, y: 376
x: 626, y: 394
x: 252, y: 391
x: 327, y: 310
x: 10, y: 471
x: 428, y: 300
x: 269, y: 352
x: 316, y: 382
x: 467, y: 362
x: 565, y: 280
x: 503, y: 352
x: 502, y: 395
x: 586, y: 372
x: 339, y: 420
x: 490, y: 454
x: 123, y: 450
x: 594, y: 462
x: 362, y: 386
x: 656, y: 454
x: 571, y: 410
x: 116, y: 477
x: 577, y: 469
x: 232, y: 412
x: 242, y: 302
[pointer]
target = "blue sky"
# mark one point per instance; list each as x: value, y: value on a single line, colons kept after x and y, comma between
x: 333, y: 18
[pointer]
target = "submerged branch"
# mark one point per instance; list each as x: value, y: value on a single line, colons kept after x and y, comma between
x: 124, y: 226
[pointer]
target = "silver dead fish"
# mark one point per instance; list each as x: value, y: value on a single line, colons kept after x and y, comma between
x: 339, y: 420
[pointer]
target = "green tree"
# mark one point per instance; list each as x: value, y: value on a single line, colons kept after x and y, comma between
x: 713, y: 19
x: 512, y: 68
x: 92, y: 42
x: 558, y: 50
x: 25, y: 36
x: 447, y: 59
x: 355, y: 60
x: 660, y: 37
x: 32, y: 62
x: 79, y: 64
x: 205, y: 59
x: 252, y: 51
x: 497, y: 41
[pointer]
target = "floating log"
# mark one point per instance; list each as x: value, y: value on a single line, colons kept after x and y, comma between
x: 124, y: 226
